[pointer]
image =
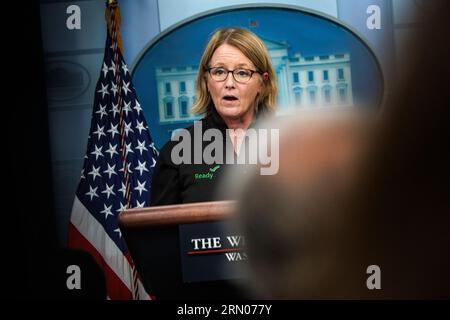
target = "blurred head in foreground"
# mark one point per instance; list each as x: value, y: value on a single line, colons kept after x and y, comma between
x: 351, y: 193
x: 292, y: 220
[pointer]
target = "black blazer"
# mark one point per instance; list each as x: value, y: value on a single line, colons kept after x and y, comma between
x: 187, y: 183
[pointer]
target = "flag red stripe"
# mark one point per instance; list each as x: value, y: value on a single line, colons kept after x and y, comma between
x: 116, y: 289
x: 215, y: 251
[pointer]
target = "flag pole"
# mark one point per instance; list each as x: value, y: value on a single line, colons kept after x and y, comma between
x: 113, y: 22
x: 113, y: 19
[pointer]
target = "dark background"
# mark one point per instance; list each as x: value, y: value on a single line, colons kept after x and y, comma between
x: 30, y: 228
x: 35, y: 264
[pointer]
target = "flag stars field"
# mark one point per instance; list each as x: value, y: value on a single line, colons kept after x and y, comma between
x: 128, y: 128
x: 141, y: 146
x: 105, y: 69
x: 107, y: 211
x: 128, y: 149
x: 123, y: 189
x: 108, y: 191
x: 125, y: 68
x: 140, y: 187
x: 125, y: 87
x: 104, y: 90
x: 113, y: 130
x: 100, y: 132
x: 92, y: 192
x: 140, y: 126
x: 94, y: 172
x: 128, y: 168
x: 141, y: 167
x: 97, y: 152
x: 110, y: 171
x: 112, y: 151
x: 115, y: 109
x: 127, y: 108
x: 102, y: 111
x: 118, y: 232
x: 114, y: 89
x: 140, y: 205
x: 137, y: 107
x: 113, y: 68
x: 122, y: 207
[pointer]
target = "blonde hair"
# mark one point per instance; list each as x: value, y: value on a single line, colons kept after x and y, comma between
x: 254, y: 49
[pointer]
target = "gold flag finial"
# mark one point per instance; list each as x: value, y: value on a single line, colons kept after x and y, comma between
x: 112, y: 6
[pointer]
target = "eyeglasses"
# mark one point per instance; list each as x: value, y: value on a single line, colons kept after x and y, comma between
x: 240, y: 75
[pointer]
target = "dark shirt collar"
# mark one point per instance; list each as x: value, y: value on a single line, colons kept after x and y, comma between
x: 216, y: 120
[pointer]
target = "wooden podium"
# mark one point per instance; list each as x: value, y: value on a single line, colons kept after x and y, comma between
x: 167, y: 268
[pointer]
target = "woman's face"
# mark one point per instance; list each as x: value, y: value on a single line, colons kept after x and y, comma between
x: 233, y: 100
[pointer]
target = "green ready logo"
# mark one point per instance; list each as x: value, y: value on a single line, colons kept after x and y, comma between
x: 206, y: 176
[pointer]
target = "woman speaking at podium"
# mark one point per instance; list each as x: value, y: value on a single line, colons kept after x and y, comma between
x: 236, y: 86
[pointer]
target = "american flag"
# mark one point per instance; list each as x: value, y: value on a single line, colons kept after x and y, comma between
x: 116, y: 174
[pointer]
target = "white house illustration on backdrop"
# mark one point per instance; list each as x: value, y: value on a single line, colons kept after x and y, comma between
x: 303, y: 82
